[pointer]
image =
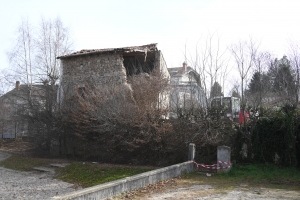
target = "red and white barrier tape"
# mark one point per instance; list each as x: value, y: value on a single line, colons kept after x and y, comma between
x: 223, y: 162
x: 214, y: 166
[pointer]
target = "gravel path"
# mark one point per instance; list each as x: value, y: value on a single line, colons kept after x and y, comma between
x: 29, y: 185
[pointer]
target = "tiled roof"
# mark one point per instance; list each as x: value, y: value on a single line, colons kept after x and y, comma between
x: 143, y: 48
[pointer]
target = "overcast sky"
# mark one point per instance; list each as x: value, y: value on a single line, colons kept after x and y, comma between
x: 170, y: 23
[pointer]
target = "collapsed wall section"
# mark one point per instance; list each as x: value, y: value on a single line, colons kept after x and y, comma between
x: 138, y: 63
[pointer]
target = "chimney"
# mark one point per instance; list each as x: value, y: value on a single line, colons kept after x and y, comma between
x: 17, y: 85
x: 184, y: 66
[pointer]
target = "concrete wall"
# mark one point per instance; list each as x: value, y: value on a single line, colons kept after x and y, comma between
x: 130, y: 183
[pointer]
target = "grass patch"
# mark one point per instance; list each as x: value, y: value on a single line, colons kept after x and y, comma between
x: 265, y: 173
x: 22, y: 163
x: 83, y: 174
x: 88, y: 174
x: 253, y: 174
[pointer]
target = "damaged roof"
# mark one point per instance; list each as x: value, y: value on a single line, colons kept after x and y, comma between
x: 143, y: 48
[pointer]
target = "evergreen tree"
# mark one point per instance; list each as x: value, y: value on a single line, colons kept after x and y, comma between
x: 260, y: 82
x: 216, y: 90
x: 255, y: 83
x: 235, y: 94
x: 284, y: 81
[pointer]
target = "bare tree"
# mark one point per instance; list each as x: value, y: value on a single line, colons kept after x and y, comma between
x: 259, y: 86
x: 33, y: 56
x: 3, y: 119
x: 244, y: 54
x: 283, y: 80
x: 210, y: 62
x: 235, y: 90
x: 52, y: 41
x: 2, y: 82
x: 295, y: 62
x: 33, y: 60
x: 21, y: 56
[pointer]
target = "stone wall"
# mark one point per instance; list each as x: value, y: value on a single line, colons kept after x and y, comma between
x: 98, y: 69
x: 161, y: 63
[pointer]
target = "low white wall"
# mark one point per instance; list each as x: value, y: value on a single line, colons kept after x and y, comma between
x: 130, y: 183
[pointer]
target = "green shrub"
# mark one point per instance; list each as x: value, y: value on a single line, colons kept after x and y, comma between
x: 276, y: 139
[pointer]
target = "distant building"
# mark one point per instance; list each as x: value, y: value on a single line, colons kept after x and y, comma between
x: 16, y: 105
x: 186, y: 94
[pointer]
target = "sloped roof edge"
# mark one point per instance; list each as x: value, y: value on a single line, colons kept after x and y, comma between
x: 143, y: 48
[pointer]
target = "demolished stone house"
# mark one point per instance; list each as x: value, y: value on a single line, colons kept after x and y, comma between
x: 101, y: 67
x: 16, y: 108
x: 186, y: 93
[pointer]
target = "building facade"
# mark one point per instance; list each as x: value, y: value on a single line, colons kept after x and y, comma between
x: 16, y: 108
x: 186, y: 93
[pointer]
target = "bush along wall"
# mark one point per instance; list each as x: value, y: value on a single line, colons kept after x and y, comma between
x: 276, y: 140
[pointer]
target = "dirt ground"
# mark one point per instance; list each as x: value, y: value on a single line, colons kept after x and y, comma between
x: 210, y: 192
x: 11, y: 145
x: 181, y: 188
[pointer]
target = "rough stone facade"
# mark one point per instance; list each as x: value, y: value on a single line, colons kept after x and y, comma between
x: 107, y: 66
x: 81, y: 71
